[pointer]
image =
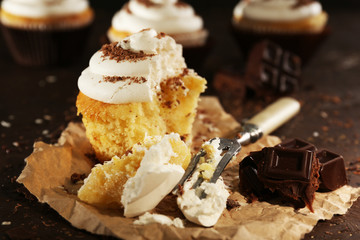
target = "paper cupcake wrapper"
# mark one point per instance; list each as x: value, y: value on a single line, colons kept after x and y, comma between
x: 36, y: 47
x: 301, y: 43
x: 195, y: 56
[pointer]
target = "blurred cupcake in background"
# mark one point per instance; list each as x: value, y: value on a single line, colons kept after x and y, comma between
x: 297, y: 25
x: 175, y: 18
x: 45, y: 32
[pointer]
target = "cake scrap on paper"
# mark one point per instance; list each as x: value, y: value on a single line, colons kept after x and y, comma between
x: 139, y: 103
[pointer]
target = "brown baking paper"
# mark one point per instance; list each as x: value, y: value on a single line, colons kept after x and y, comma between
x: 49, y: 167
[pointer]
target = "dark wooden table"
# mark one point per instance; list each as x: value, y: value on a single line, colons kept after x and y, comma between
x: 37, y: 104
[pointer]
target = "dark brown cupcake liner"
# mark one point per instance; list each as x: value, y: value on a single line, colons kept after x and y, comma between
x: 302, y: 44
x: 45, y: 47
x: 196, y: 56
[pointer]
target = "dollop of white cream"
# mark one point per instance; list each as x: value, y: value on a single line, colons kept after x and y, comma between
x: 44, y: 8
x: 279, y: 10
x: 154, y: 179
x: 165, y: 61
x: 206, y: 211
x: 149, y: 218
x: 162, y: 15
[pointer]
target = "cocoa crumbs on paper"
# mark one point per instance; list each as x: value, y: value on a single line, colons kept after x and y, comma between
x: 230, y: 204
x: 76, y: 177
x: 115, y: 52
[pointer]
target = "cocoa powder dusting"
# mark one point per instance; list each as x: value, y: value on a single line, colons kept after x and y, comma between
x: 173, y: 83
x: 161, y: 35
x: 127, y: 8
x: 301, y: 3
x: 117, y: 53
x: 114, y: 79
x: 148, y: 3
x: 181, y: 4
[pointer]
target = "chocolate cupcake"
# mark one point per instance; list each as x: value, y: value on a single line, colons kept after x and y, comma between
x: 297, y: 25
x: 172, y: 17
x: 49, y: 32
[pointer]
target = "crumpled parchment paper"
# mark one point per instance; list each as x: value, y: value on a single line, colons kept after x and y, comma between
x: 49, y: 168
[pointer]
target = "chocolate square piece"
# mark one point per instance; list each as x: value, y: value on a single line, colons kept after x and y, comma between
x: 287, y: 164
x: 296, y: 143
x: 271, y: 69
x: 332, y: 171
x: 277, y: 171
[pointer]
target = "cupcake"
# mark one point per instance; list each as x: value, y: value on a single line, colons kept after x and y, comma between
x: 135, y: 88
x: 48, y: 32
x: 297, y: 25
x: 172, y: 17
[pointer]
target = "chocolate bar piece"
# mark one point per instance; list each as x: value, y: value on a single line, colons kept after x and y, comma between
x: 287, y: 164
x: 332, y: 172
x: 273, y: 70
x: 296, y: 143
x: 291, y: 173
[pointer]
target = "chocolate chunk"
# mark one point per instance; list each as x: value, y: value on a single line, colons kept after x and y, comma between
x: 332, y: 172
x: 272, y: 70
x: 296, y: 143
x: 293, y: 173
x: 250, y: 185
x: 290, y: 173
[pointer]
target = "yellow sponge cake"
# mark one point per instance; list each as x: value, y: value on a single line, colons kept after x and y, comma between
x: 147, y: 173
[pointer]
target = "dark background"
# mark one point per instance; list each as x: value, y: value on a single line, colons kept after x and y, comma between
x: 329, y: 95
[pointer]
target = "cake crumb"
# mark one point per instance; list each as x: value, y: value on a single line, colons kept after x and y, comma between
x: 149, y: 218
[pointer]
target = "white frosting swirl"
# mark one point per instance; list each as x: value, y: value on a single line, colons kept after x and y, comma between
x: 165, y: 60
x: 166, y: 16
x: 44, y: 8
x: 239, y: 9
x: 280, y: 10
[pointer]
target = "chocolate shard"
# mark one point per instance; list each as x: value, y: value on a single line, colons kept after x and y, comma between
x: 296, y: 143
x: 332, y: 172
x: 272, y: 70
